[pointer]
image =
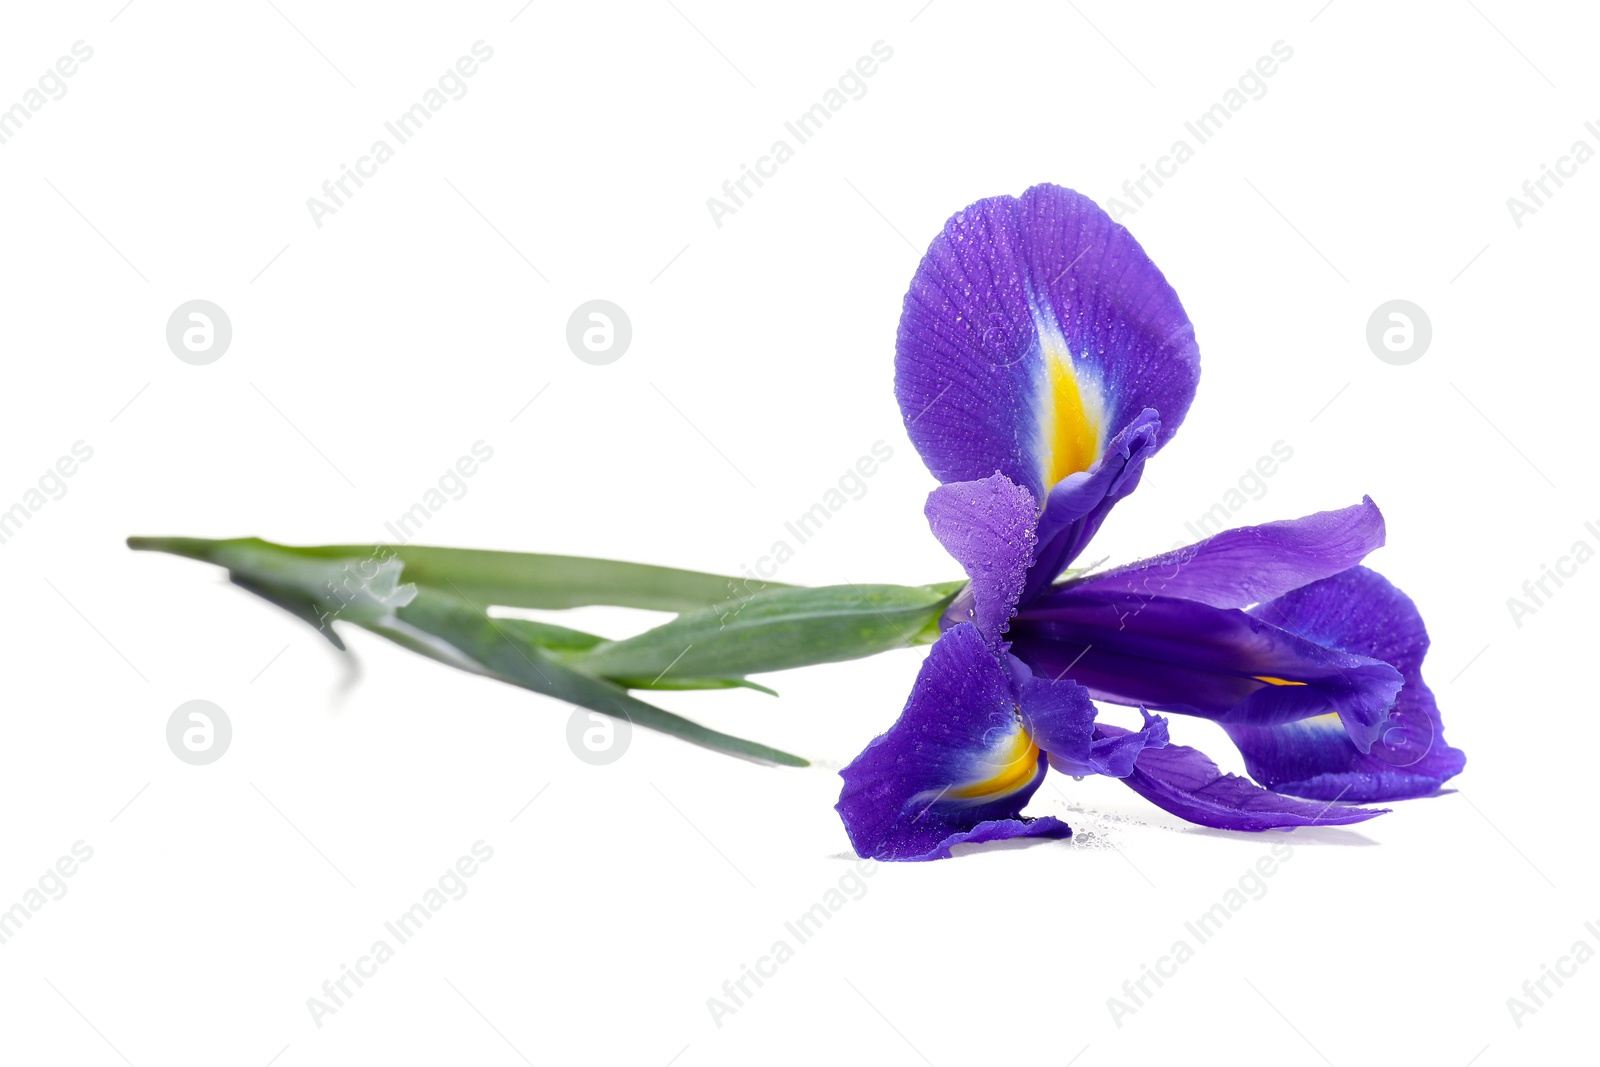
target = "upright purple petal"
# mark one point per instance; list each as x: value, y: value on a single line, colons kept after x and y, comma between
x: 1252, y: 564
x: 1185, y: 782
x: 958, y: 766
x: 1357, y: 611
x: 988, y: 526
x: 1117, y: 314
x: 1035, y: 332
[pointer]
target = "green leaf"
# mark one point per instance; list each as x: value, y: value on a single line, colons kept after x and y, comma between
x: 295, y: 603
x: 529, y: 580
x: 507, y: 654
x: 361, y: 586
x: 776, y: 630
x: 509, y: 579
x: 693, y: 683
x: 555, y: 638
x: 549, y: 635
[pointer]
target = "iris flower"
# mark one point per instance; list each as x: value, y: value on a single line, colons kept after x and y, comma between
x: 1042, y: 359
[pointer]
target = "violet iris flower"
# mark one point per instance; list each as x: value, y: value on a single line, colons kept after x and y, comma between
x: 1042, y: 359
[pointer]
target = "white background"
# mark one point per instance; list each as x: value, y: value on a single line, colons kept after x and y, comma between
x: 370, y: 353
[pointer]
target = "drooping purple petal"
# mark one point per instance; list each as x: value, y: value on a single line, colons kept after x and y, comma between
x: 1058, y: 715
x: 994, y: 830
x: 1252, y: 564
x: 988, y: 526
x: 1356, y: 611
x: 1113, y: 753
x: 957, y: 766
x: 1185, y: 782
x: 1185, y: 657
x: 1034, y: 332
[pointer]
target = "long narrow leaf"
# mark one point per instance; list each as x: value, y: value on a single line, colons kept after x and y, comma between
x: 358, y: 586
x: 509, y: 656
x: 775, y: 631
x: 509, y: 579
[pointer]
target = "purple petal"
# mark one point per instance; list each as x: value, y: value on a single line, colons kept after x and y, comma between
x: 1238, y: 568
x: 1181, y: 656
x: 1185, y: 782
x: 1079, y: 504
x: 994, y: 830
x: 988, y: 527
x: 957, y: 766
x: 1113, y: 754
x: 1058, y: 715
x: 1357, y: 611
x: 1034, y: 331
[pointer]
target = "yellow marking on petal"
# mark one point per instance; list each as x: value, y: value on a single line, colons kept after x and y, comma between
x: 1073, y: 442
x: 1069, y: 408
x: 1270, y: 680
x: 1016, y: 768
